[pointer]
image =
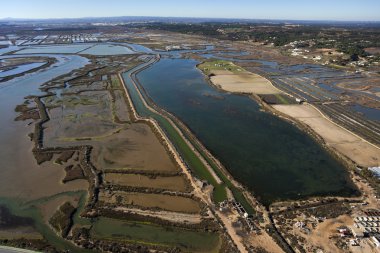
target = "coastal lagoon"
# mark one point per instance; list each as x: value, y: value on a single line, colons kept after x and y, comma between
x: 276, y: 160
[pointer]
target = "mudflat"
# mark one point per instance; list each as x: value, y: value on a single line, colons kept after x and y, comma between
x: 130, y: 148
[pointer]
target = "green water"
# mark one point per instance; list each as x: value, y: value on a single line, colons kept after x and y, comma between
x: 30, y: 210
x: 274, y: 159
x: 149, y: 234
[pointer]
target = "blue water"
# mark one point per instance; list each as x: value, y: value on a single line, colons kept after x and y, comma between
x: 370, y: 113
x: 21, y: 69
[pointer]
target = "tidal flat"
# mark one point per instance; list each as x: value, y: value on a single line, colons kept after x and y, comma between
x: 71, y: 129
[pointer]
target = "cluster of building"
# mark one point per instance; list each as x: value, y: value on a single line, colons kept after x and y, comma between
x: 48, y: 39
x: 170, y: 48
x: 4, y: 41
x: 241, y: 211
x: 81, y: 38
x: 302, y: 226
x: 301, y: 52
x: 366, y: 227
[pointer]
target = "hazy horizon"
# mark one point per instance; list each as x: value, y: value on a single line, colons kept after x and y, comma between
x: 187, y: 17
x: 322, y: 10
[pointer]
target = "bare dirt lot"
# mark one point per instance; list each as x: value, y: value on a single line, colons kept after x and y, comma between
x: 320, y: 237
x: 244, y: 82
x: 165, y: 215
x: 265, y: 241
x: 340, y: 139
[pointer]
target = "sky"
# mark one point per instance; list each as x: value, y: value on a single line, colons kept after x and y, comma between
x: 342, y: 10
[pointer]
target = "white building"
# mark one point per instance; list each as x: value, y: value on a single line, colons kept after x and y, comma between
x: 376, y: 241
x: 375, y: 171
x: 357, y: 231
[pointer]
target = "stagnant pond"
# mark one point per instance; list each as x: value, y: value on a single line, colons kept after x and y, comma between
x: 273, y: 158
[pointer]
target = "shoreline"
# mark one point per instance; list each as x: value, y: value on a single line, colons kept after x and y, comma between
x: 364, y: 189
x: 349, y: 165
x: 303, y: 127
x: 50, y: 61
x: 348, y: 162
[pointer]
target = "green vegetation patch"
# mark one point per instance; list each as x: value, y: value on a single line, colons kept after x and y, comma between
x: 115, y: 82
x: 277, y: 99
x: 150, y: 234
x: 72, y: 101
x: 209, y: 66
